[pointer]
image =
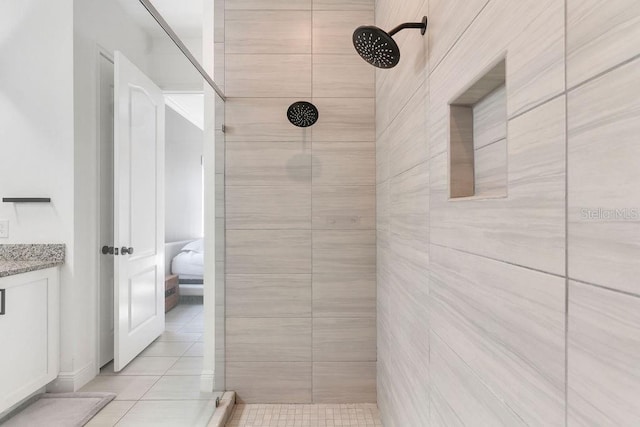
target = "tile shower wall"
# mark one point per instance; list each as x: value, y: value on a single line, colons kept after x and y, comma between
x: 520, y: 310
x: 300, y: 204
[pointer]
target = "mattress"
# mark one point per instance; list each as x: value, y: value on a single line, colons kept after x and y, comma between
x: 188, y: 265
x: 191, y: 290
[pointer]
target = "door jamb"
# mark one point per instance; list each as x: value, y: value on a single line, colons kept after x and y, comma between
x: 100, y: 52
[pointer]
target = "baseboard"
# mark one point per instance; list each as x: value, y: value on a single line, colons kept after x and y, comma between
x: 224, y: 410
x: 69, y: 382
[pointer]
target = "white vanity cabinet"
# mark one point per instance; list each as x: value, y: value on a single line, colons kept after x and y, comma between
x: 29, y: 334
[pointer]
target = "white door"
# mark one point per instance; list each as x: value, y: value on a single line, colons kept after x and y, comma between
x: 138, y: 211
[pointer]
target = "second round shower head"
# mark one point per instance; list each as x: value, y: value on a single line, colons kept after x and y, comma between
x: 378, y: 47
x: 302, y: 114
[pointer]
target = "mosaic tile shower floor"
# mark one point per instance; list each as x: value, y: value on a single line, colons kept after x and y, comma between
x: 321, y: 415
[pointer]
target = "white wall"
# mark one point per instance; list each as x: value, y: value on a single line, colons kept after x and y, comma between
x: 36, y: 126
x: 183, y: 172
x: 36, y: 119
x: 169, y: 69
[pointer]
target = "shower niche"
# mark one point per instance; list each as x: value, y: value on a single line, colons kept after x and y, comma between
x: 478, y: 138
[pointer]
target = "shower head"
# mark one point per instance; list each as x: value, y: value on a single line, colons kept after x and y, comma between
x: 302, y: 114
x: 377, y: 47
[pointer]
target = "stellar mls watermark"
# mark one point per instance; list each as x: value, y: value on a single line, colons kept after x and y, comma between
x: 608, y: 214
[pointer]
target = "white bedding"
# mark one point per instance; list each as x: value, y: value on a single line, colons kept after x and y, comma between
x: 188, y: 265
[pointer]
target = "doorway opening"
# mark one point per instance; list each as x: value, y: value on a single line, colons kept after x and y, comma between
x: 179, y: 346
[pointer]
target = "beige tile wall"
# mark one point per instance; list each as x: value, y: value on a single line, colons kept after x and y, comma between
x: 486, y: 290
x: 300, y: 204
x: 513, y: 311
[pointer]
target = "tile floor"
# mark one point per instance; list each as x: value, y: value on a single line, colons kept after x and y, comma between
x: 355, y: 415
x: 161, y: 387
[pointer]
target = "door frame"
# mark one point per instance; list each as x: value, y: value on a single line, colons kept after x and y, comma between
x: 100, y: 52
x: 207, y: 375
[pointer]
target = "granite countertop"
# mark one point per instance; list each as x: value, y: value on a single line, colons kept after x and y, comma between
x: 23, y: 258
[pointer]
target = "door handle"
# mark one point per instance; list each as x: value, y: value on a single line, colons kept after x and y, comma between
x: 107, y: 250
x: 125, y: 250
x: 2, y: 301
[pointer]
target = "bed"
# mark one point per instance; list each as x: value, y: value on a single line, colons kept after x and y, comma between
x: 186, y: 260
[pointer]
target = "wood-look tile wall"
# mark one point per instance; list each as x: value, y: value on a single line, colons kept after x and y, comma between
x: 300, y: 204
x: 520, y: 310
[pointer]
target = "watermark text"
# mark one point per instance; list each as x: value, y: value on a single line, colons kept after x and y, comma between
x: 604, y: 214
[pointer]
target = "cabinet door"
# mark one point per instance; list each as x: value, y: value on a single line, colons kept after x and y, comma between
x: 28, y: 334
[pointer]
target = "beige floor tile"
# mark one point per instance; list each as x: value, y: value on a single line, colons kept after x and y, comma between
x: 126, y: 387
x: 111, y: 414
x: 183, y: 313
x: 159, y: 373
x: 173, y: 326
x: 180, y: 336
x: 194, y: 326
x: 169, y: 413
x: 166, y: 349
x: 178, y: 388
x: 186, y: 366
x: 143, y: 366
x: 196, y: 350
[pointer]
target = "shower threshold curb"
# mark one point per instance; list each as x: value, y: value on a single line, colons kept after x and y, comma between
x: 224, y: 410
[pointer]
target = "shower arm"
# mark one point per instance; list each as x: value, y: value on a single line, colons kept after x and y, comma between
x: 421, y: 25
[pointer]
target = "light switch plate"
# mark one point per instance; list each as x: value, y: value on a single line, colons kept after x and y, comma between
x: 4, y: 228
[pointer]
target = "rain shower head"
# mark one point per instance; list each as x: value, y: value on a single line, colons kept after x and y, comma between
x: 377, y: 47
x: 302, y: 114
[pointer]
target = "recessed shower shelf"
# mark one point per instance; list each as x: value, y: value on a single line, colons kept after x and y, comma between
x: 478, y: 138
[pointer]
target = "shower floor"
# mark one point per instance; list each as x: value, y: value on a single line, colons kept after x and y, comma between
x: 321, y: 415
